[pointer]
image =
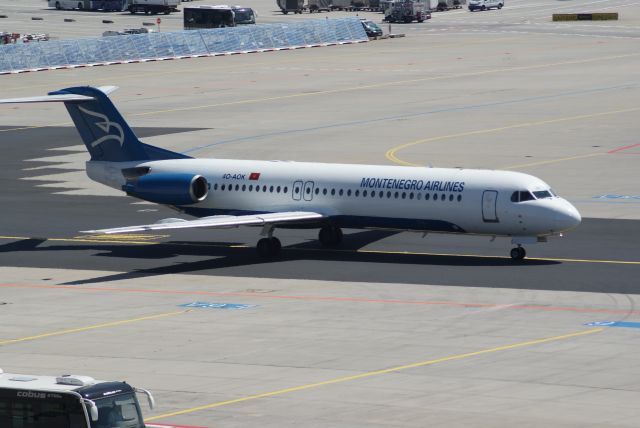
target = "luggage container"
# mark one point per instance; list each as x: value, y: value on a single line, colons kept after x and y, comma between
x: 319, y: 5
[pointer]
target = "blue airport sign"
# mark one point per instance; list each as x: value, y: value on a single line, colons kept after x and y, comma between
x: 214, y: 305
x: 626, y: 324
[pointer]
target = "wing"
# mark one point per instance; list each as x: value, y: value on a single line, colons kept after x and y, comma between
x: 218, y: 221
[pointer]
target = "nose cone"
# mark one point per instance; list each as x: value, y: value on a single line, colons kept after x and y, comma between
x: 567, y: 216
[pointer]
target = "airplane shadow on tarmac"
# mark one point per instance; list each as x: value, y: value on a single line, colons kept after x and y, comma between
x: 225, y: 255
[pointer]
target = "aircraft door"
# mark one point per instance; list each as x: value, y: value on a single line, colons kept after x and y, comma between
x: 308, y: 190
x: 489, y: 202
x: 296, y: 190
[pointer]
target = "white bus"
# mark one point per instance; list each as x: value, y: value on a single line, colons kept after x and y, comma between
x: 68, y: 401
x: 106, y: 5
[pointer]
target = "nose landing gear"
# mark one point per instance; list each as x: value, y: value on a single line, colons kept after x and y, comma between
x: 518, y: 253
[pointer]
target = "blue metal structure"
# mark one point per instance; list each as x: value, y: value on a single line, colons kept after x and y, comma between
x: 15, y: 58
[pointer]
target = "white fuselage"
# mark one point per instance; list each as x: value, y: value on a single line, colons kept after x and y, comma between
x: 370, y: 196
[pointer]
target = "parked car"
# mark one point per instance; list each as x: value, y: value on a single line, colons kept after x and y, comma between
x: 485, y: 4
x: 371, y: 28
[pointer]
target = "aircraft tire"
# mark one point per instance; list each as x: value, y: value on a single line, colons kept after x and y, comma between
x: 269, y: 247
x: 518, y: 253
x: 330, y: 236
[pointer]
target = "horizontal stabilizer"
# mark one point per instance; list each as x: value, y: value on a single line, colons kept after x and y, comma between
x: 220, y: 221
x: 55, y: 97
x: 62, y: 98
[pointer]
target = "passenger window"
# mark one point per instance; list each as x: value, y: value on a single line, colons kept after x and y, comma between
x: 419, y: 196
x: 404, y: 195
x: 395, y: 195
x: 271, y: 189
x: 435, y: 196
x: 257, y: 188
x: 333, y: 192
x: 381, y: 194
x: 340, y: 192
x: 324, y: 191
x: 285, y: 190
x: 364, y: 193
x: 450, y: 198
x: 426, y: 196
x: 251, y: 187
x: 317, y: 190
x: 459, y: 198
x: 215, y: 186
x: 389, y: 194
x: 237, y: 187
x: 443, y: 197
x: 278, y: 189
x: 296, y: 189
x: 264, y: 188
x: 244, y: 187
x: 411, y: 195
x: 349, y: 192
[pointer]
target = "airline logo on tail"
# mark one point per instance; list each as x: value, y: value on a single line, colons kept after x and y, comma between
x: 106, y: 126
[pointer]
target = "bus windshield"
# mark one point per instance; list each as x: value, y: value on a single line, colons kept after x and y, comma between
x: 28, y: 409
x: 244, y: 16
x: 121, y: 411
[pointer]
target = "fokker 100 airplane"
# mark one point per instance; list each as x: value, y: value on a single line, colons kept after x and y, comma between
x: 225, y: 193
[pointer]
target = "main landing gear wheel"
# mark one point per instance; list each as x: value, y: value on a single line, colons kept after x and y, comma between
x: 518, y: 253
x: 330, y: 236
x: 269, y: 247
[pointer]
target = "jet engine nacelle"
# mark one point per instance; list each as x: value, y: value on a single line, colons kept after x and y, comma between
x: 169, y: 189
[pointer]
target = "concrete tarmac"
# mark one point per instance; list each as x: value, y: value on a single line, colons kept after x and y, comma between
x: 392, y: 330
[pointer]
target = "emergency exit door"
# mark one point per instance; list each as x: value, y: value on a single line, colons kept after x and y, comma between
x: 489, y: 210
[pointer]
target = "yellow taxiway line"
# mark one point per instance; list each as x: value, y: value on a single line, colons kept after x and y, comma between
x: 380, y: 372
x: 91, y: 327
x: 391, y: 153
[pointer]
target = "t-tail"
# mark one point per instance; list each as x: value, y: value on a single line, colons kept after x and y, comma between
x: 102, y: 128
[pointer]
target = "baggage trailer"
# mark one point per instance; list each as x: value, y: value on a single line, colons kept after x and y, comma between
x: 450, y: 4
x: 295, y: 6
x: 407, y: 11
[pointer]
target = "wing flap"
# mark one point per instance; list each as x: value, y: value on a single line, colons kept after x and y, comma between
x: 221, y: 221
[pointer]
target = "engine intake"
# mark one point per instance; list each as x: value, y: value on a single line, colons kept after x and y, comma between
x: 169, y: 189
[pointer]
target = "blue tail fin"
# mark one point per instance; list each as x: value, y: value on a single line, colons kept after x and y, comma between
x: 104, y: 131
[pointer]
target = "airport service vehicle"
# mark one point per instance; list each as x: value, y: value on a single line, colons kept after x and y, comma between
x: 407, y: 11
x: 205, y: 16
x: 320, y: 5
x: 485, y: 4
x: 105, y: 5
x: 153, y: 6
x: 225, y: 193
x: 295, y: 6
x: 68, y: 401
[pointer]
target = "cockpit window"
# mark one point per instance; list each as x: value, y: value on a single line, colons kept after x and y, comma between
x: 522, y: 196
x: 543, y: 194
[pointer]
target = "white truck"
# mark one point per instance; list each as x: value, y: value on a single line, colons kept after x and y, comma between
x: 153, y: 6
x: 68, y: 401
